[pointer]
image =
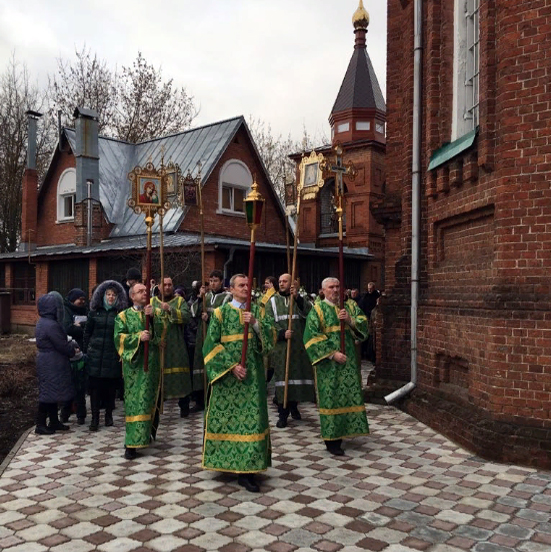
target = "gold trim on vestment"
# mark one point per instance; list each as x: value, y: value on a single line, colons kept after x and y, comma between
x: 319, y: 310
x: 235, y: 437
x: 345, y: 410
x: 234, y: 337
x: 178, y: 370
x: 333, y: 329
x: 213, y: 353
x: 139, y: 418
x: 315, y: 340
x: 218, y: 313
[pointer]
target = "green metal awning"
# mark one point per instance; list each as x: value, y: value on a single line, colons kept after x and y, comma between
x: 450, y: 150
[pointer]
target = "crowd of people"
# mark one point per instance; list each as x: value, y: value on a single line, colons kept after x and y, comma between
x: 206, y: 350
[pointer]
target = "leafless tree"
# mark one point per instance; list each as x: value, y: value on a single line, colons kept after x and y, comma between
x: 17, y: 95
x: 84, y: 82
x: 147, y: 107
x: 275, y: 150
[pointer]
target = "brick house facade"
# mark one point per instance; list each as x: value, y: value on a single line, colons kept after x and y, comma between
x: 484, y: 324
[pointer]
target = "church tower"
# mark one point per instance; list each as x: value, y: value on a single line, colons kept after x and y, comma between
x: 359, y: 112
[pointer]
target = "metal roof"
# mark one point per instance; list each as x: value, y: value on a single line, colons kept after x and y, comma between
x: 360, y: 87
x: 178, y: 239
x: 117, y: 158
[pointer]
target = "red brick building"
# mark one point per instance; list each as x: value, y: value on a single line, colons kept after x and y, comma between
x: 483, y: 339
x: 55, y: 253
x: 357, y: 122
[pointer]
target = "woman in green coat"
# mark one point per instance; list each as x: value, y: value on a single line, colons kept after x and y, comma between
x: 104, y: 368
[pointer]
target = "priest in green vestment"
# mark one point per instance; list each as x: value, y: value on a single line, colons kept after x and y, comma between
x: 337, y: 376
x: 141, y: 389
x: 202, y: 309
x: 176, y: 373
x: 301, y: 378
x: 237, y: 434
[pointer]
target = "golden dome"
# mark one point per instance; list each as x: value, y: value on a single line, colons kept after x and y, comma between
x: 360, y: 19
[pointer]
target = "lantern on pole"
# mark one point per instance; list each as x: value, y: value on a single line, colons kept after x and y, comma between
x: 254, y: 205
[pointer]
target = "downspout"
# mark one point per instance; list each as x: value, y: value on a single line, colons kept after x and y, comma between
x: 415, y: 199
x: 230, y: 259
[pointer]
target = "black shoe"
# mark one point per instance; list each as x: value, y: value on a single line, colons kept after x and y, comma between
x: 334, y: 447
x: 44, y: 430
x: 94, y: 424
x: 247, y: 480
x: 281, y: 423
x: 274, y: 400
x: 81, y: 421
x: 184, y: 411
x: 295, y: 414
x: 58, y: 426
x: 337, y: 452
x: 108, y: 419
x: 130, y: 453
x: 64, y: 417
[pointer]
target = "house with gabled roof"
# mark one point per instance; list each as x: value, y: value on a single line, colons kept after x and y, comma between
x: 62, y: 247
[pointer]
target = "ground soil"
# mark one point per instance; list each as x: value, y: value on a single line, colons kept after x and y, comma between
x: 18, y: 389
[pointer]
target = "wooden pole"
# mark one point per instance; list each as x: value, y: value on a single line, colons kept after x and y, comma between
x: 203, y: 322
x: 162, y: 290
x: 291, y: 308
x: 149, y: 224
x: 288, y: 244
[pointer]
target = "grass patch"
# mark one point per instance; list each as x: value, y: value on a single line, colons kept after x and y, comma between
x: 17, y: 365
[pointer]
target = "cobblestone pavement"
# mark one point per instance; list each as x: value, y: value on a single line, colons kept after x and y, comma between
x: 404, y: 488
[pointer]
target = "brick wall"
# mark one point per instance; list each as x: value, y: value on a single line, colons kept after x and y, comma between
x: 484, y: 335
x: 272, y: 229
x: 49, y: 231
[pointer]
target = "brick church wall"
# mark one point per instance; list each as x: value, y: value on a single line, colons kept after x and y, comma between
x: 484, y: 333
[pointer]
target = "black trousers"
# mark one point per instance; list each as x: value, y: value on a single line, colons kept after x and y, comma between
x: 80, y: 405
x: 45, y: 411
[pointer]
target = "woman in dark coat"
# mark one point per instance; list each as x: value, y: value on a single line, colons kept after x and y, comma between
x: 104, y: 369
x: 52, y: 363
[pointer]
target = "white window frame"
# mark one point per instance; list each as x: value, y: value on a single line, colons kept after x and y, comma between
x: 235, y: 175
x: 466, y: 67
x: 65, y: 191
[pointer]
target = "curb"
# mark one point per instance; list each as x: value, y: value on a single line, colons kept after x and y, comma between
x: 14, y: 451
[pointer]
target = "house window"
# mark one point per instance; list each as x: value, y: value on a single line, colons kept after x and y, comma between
x: 380, y: 128
x: 235, y: 181
x: 466, y: 65
x: 66, y: 191
x: 363, y: 125
x: 24, y: 284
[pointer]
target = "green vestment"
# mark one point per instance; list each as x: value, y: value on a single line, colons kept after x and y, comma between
x: 176, y: 373
x: 141, y: 389
x: 237, y: 434
x: 210, y: 302
x: 301, y: 377
x: 338, y: 386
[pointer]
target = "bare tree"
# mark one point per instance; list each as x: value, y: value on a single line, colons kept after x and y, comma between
x: 275, y: 151
x: 148, y: 107
x: 85, y: 82
x: 17, y: 95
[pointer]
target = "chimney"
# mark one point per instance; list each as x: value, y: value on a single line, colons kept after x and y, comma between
x: 30, y: 188
x: 86, y: 153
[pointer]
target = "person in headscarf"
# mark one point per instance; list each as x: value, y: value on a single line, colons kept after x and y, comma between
x: 104, y: 368
x: 52, y: 363
x: 74, y: 320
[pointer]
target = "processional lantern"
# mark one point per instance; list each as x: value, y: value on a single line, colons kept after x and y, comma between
x: 254, y: 205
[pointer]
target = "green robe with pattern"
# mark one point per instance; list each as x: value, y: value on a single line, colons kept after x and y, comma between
x: 141, y: 389
x: 237, y: 434
x: 338, y: 386
x: 176, y: 373
x: 301, y: 376
x: 210, y: 302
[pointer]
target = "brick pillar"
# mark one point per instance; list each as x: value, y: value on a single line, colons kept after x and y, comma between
x: 29, y: 210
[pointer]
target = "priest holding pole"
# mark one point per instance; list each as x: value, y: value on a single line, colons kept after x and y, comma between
x: 237, y: 433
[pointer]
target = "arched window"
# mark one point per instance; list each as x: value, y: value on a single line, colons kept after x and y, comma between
x: 66, y: 192
x: 234, y: 182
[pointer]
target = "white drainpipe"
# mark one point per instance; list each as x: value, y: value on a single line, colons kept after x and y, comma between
x: 415, y: 198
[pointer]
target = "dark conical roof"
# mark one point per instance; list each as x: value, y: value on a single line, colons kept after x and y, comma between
x: 360, y: 87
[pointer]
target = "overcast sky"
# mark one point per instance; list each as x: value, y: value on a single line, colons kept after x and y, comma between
x: 282, y: 61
